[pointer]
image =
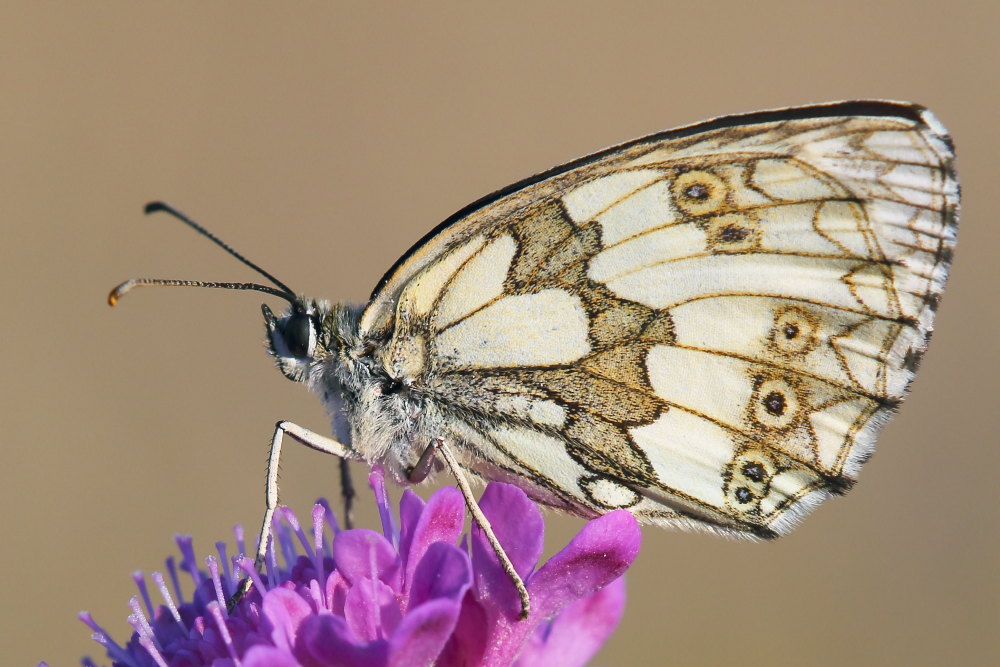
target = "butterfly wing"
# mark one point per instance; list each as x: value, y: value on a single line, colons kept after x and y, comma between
x: 706, y: 326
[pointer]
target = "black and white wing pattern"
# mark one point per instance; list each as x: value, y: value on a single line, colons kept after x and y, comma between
x: 706, y: 326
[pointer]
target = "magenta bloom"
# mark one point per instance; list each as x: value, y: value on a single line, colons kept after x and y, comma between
x: 406, y: 596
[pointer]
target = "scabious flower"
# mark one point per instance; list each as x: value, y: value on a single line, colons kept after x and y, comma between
x: 418, y: 593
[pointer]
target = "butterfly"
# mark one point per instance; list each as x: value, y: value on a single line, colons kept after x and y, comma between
x: 705, y: 326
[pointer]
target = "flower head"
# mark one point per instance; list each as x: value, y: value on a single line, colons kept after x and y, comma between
x: 411, y: 594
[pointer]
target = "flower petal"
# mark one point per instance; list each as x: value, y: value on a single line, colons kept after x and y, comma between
x: 371, y: 610
x: 578, y: 632
x: 284, y: 610
x: 599, y: 554
x: 326, y: 641
x: 336, y: 592
x: 411, y: 507
x: 517, y: 523
x: 441, y: 521
x: 467, y: 643
x: 443, y: 572
x: 268, y: 656
x: 362, y: 554
x: 423, y: 633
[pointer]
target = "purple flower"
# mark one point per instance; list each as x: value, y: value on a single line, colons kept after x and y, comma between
x: 405, y: 596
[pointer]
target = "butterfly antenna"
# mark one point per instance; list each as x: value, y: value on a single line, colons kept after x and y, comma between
x: 155, y: 206
x: 284, y: 292
x: 118, y: 292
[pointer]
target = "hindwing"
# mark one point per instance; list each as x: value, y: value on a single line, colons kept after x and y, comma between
x: 706, y: 326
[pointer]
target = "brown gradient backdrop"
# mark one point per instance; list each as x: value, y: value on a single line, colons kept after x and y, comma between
x: 322, y: 140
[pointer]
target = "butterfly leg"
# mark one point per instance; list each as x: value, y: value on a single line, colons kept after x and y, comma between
x: 480, y: 518
x: 347, y: 492
x: 425, y: 464
x: 312, y: 440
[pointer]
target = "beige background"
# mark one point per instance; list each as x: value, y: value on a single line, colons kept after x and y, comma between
x: 323, y: 139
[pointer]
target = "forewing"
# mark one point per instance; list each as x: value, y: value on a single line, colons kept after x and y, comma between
x: 706, y: 326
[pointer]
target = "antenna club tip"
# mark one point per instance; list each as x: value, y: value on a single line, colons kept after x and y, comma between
x: 115, y: 295
x: 153, y: 207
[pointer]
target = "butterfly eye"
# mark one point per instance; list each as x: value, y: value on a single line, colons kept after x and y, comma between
x: 299, y: 334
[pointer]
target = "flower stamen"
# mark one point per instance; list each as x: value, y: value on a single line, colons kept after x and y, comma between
x: 140, y: 582
x: 165, y: 594
x: 219, y: 615
x: 227, y: 583
x: 213, y: 567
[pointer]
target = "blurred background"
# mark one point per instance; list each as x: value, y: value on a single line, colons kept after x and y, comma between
x: 322, y: 140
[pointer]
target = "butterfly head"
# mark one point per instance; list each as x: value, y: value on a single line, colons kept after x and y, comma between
x: 301, y: 336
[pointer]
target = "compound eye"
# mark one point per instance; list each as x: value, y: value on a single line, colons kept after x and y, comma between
x: 298, y: 334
